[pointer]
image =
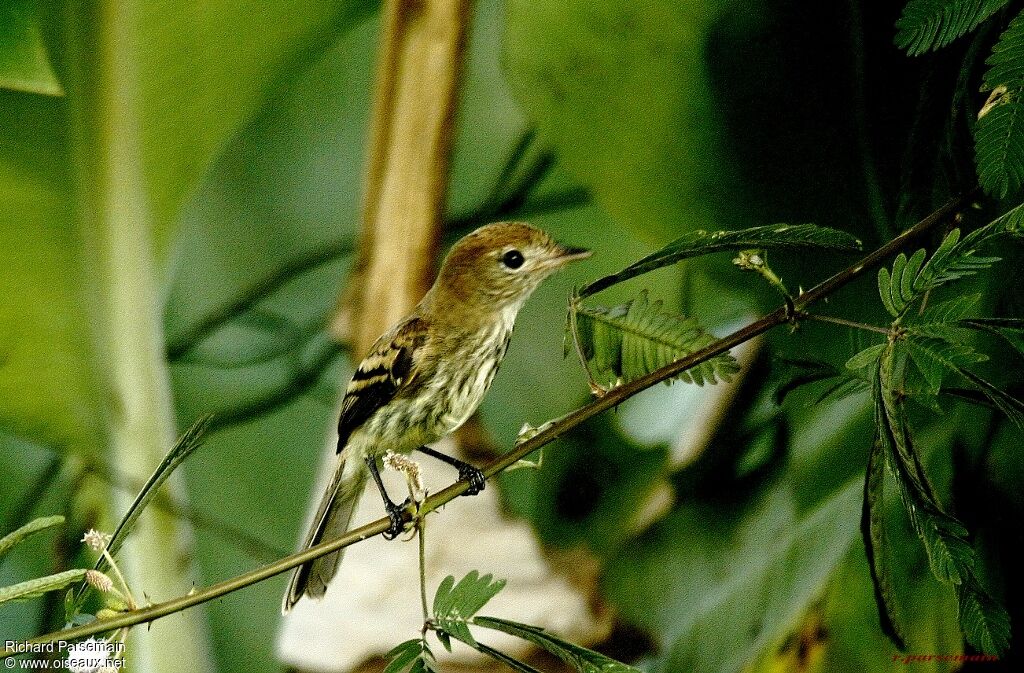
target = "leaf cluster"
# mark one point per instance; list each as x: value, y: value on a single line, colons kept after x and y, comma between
x: 455, y: 609
x: 925, y: 347
x: 926, y: 25
x: 626, y: 342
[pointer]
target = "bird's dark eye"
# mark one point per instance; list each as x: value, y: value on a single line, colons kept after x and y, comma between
x: 513, y: 259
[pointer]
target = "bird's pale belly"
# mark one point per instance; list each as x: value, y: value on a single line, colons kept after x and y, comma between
x: 448, y: 399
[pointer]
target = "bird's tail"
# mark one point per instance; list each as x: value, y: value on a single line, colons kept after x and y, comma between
x: 332, y: 519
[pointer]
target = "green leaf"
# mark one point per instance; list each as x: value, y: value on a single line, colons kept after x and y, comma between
x: 948, y: 311
x: 182, y: 449
x: 984, y: 622
x: 926, y: 25
x: 7, y: 542
x: 865, y: 358
x: 845, y: 387
x: 511, y: 662
x: 626, y: 342
x: 37, y: 587
x: 410, y: 656
x: 999, y: 135
x: 455, y: 604
x: 1011, y: 330
x: 933, y: 357
x: 1005, y: 402
x: 954, y: 259
x: 872, y: 528
x: 189, y: 441
x: 768, y: 237
x: 579, y: 658
x: 24, y: 62
x: 885, y: 291
x: 950, y: 555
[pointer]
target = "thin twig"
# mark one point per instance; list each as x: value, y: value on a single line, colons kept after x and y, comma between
x: 613, y: 398
x: 421, y: 526
x: 843, y: 321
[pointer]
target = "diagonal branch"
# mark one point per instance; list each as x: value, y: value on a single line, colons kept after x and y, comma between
x: 614, y: 397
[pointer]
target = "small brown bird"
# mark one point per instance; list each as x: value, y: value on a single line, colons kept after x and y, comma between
x: 428, y: 374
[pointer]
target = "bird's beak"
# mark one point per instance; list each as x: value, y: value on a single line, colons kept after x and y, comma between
x: 568, y: 254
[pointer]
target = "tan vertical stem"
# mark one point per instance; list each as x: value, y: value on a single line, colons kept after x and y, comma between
x: 418, y: 76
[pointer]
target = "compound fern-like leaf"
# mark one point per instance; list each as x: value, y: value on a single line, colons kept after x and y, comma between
x: 931, y: 24
x: 623, y: 343
x: 999, y: 133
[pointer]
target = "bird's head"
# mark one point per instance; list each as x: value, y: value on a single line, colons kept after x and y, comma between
x: 499, y: 265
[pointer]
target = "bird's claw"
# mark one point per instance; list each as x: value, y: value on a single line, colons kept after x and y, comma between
x: 476, y: 479
x: 396, y: 513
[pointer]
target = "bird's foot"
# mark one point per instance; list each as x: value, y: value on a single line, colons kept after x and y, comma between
x: 397, y: 515
x: 476, y: 479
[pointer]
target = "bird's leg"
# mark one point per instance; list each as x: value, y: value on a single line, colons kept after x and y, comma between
x: 395, y: 512
x: 467, y: 472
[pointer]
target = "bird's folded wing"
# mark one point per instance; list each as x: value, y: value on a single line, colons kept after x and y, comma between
x: 389, y: 369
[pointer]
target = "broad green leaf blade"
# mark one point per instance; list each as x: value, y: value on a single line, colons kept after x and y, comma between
x: 580, y: 658
x: 37, y: 587
x: 926, y: 25
x: 653, y: 162
x: 872, y: 528
x: 999, y: 133
x: 768, y: 237
x: 7, y: 542
x: 24, y: 62
x: 984, y: 622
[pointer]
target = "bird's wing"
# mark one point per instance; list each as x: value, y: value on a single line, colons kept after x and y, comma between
x: 389, y: 369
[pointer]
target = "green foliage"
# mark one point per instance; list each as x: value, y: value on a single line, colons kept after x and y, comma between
x: 24, y: 62
x: 454, y: 609
x: 579, y: 658
x: 696, y: 243
x: 628, y: 341
x: 999, y: 134
x: 455, y: 604
x: 950, y: 555
x: 511, y: 662
x: 931, y: 24
x: 7, y: 542
x: 38, y: 586
x: 188, y: 442
x: 954, y: 259
x: 982, y: 618
x: 876, y: 546
x: 412, y: 656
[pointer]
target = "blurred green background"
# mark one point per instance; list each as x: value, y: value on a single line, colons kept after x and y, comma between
x: 238, y: 129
